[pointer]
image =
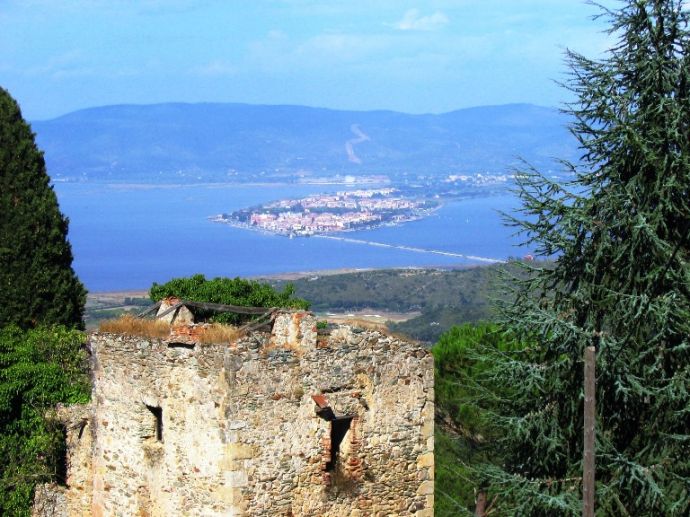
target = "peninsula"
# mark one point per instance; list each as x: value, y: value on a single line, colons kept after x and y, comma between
x: 329, y: 213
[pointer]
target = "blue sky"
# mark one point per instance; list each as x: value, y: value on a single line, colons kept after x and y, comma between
x: 434, y: 56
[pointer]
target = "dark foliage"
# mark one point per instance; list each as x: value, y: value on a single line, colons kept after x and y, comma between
x: 435, y: 321
x: 38, y: 369
x: 37, y: 283
x: 621, y: 282
x: 443, y: 297
x: 465, y: 430
x: 398, y: 290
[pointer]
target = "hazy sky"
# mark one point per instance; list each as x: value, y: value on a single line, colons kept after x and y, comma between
x: 413, y: 56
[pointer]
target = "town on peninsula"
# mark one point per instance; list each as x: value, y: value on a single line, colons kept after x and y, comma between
x: 330, y: 213
x: 363, y: 208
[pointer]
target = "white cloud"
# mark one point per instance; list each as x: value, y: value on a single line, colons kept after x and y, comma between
x: 414, y: 21
x: 215, y: 68
x: 278, y: 53
x: 74, y: 64
x: 66, y: 64
x: 342, y: 47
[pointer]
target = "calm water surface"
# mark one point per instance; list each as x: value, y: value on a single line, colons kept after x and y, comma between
x: 126, y: 237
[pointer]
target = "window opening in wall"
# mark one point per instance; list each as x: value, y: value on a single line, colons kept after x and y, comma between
x: 187, y: 346
x: 339, y: 428
x: 157, y: 413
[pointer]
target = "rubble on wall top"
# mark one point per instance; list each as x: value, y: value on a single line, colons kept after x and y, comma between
x: 291, y: 333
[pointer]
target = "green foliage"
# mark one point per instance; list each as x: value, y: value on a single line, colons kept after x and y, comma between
x: 444, y: 297
x: 398, y: 290
x: 621, y: 282
x: 434, y: 321
x: 139, y: 302
x: 38, y: 369
x: 43, y: 365
x: 466, y: 397
x: 37, y: 283
x: 229, y: 291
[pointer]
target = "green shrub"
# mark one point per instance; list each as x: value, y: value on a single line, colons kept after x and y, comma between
x: 227, y: 291
x: 465, y: 400
x: 38, y: 369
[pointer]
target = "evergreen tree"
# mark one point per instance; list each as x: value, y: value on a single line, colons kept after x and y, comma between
x: 37, y: 283
x: 621, y: 282
x: 465, y: 433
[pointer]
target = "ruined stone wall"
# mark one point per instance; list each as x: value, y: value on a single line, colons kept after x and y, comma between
x: 191, y: 429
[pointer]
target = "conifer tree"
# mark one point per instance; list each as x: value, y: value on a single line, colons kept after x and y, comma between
x: 37, y: 283
x: 620, y: 281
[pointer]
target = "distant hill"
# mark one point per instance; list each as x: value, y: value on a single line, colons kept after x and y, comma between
x: 443, y: 297
x: 240, y: 141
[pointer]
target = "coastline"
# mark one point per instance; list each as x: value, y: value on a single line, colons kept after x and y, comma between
x: 130, y: 241
x: 290, y: 275
x: 133, y: 185
x: 245, y: 226
x: 416, y: 216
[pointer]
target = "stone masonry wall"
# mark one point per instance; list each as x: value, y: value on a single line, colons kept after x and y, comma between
x: 176, y: 428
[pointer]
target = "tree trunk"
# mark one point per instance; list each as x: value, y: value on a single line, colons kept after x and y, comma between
x: 480, y: 508
x: 588, y: 463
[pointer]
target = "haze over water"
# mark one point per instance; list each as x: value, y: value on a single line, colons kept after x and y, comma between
x: 353, y: 55
x: 126, y: 237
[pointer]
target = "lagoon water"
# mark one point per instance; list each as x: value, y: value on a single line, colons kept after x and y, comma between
x: 128, y: 236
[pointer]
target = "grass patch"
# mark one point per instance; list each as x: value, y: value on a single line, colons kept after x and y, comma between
x: 128, y: 324
x: 218, y: 333
x: 211, y: 333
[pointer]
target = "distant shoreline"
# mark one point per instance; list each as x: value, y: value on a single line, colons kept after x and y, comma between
x: 294, y: 275
x: 128, y: 184
x: 330, y: 234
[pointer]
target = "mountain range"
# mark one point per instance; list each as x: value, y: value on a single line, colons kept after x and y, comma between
x: 249, y: 142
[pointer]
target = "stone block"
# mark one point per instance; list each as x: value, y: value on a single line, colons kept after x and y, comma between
x: 230, y: 495
x: 425, y: 460
x: 236, y: 478
x: 49, y: 499
x: 239, y: 451
x: 294, y: 330
x: 180, y: 316
x: 428, y: 428
x: 426, y: 488
x: 237, y: 424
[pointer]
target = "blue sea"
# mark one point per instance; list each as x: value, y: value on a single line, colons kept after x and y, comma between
x: 128, y: 236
